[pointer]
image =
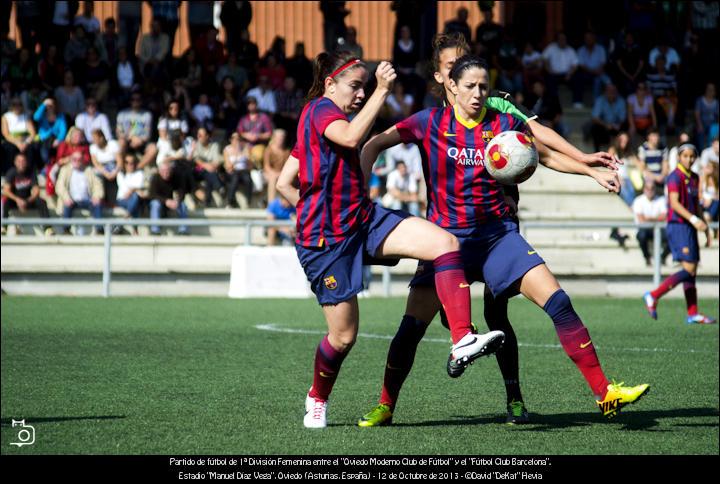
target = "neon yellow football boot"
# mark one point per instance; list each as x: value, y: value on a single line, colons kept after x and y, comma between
x: 378, y: 416
x: 618, y: 395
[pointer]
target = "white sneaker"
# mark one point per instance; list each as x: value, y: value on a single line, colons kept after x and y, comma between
x: 473, y: 346
x: 315, y: 413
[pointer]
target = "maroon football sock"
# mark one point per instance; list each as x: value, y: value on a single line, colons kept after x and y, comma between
x: 691, y: 297
x: 670, y: 282
x: 454, y: 293
x: 327, y: 366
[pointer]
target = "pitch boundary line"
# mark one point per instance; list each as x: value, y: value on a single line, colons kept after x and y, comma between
x: 276, y: 328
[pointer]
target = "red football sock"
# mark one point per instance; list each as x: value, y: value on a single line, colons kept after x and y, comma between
x: 327, y: 366
x: 670, y: 282
x: 454, y: 293
x: 691, y: 297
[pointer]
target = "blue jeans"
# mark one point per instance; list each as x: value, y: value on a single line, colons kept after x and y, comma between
x: 627, y: 191
x: 158, y: 210
x: 131, y: 204
x: 95, y: 208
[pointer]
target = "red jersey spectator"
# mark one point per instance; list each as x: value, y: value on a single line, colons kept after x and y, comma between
x: 255, y: 128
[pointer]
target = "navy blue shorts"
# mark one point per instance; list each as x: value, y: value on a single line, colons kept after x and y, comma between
x: 493, y: 253
x: 335, y: 272
x: 683, y: 242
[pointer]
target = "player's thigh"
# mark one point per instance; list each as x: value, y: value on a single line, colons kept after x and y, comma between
x: 342, y: 321
x: 419, y: 239
x: 691, y: 267
x: 423, y: 303
x: 538, y: 284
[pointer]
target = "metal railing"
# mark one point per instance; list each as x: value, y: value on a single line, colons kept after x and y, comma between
x: 109, y: 223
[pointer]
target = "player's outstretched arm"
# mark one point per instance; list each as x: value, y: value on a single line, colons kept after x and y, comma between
x: 377, y: 144
x: 564, y: 164
x: 553, y: 140
x: 285, y: 181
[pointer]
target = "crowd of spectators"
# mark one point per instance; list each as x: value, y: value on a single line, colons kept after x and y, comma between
x: 212, y: 127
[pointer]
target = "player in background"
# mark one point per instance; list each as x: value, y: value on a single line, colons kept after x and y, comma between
x: 684, y: 219
x: 338, y: 226
x: 464, y: 199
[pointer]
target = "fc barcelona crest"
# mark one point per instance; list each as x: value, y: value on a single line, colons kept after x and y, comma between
x: 330, y: 282
x: 487, y: 136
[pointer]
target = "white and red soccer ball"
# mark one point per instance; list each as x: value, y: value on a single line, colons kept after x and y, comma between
x: 511, y: 157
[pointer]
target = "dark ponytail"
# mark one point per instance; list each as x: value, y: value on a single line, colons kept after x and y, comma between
x: 324, y: 65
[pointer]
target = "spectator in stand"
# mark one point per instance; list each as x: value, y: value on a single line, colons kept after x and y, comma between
x: 229, y: 110
x: 33, y: 98
x: 708, y: 156
x: 256, y: 128
x: 130, y: 186
x: 706, y: 116
x: 88, y: 20
x: 662, y: 85
x: 277, y: 49
x: 134, y: 128
x: 110, y: 41
x: 18, y: 132
x: 70, y: 98
x: 76, y: 48
x: 650, y: 207
x: 211, y: 53
x: 247, y: 52
x: 62, y: 17
x: 178, y: 93
x: 154, y: 47
x: 78, y: 187
x: 280, y: 209
x: 263, y: 96
x: 510, y: 77
x: 202, y: 113
x: 207, y: 159
x: 709, y: 192
x: 166, y: 13
x: 402, y: 191
x: 629, y: 64
x: 683, y: 137
x: 236, y: 157
x: 127, y: 77
x: 28, y: 16
x: 591, y: 68
x: 351, y: 45
x: 106, y: 158
x: 51, y: 69
x: 561, y: 62
x: 488, y: 33
x: 174, y: 122
x: 74, y: 143
x: 300, y: 67
x: 628, y: 172
x: 399, y: 103
x: 235, y: 17
x: 532, y: 63
x: 334, y: 13
x: 200, y: 19
x: 23, y: 73
x: 547, y: 107
x: 641, y: 111
x: 672, y: 59
x: 129, y: 22
x: 289, y: 105
x: 609, y: 116
x: 91, y: 119
x: 459, y: 24
x: 52, y: 129
x: 274, y: 159
x: 409, y: 154
x: 405, y: 54
x: 273, y: 72
x: 167, y: 192
x: 235, y: 71
x: 21, y: 191
x: 189, y: 72
x: 653, y: 159
x: 96, y: 76
x: 178, y: 154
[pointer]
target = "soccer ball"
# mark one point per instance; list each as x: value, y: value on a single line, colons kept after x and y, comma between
x: 511, y: 157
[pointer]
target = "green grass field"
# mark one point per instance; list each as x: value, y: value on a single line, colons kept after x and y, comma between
x: 196, y: 375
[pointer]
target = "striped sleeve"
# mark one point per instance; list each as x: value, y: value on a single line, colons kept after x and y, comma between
x: 413, y: 128
x: 325, y: 113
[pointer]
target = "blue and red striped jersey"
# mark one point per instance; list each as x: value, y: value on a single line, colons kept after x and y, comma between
x: 461, y: 193
x: 333, y: 202
x: 687, y: 185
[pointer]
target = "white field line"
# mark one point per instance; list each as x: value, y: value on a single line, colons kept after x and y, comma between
x: 275, y: 328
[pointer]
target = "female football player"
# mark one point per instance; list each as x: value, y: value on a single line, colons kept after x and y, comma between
x: 684, y: 219
x: 465, y: 200
x: 338, y: 226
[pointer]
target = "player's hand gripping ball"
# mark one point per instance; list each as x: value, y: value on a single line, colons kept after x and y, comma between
x: 511, y: 157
